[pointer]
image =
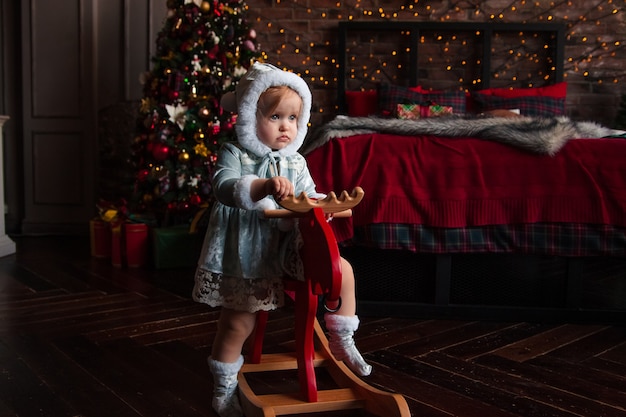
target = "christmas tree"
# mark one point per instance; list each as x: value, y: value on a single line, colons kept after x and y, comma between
x: 203, y: 49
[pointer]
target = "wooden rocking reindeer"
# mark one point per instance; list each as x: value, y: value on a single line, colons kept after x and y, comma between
x: 322, y: 267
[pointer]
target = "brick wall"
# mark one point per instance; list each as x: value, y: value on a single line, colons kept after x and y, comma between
x: 301, y: 35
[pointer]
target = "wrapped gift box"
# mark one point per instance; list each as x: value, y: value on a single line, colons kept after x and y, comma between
x: 176, y: 247
x: 129, y: 245
x: 100, y: 238
x: 419, y: 111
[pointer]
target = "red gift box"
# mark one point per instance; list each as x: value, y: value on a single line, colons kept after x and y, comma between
x: 136, y: 235
x: 129, y: 245
x: 418, y: 111
x: 100, y: 238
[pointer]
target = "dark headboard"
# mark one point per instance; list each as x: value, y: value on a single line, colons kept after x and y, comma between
x: 483, y: 47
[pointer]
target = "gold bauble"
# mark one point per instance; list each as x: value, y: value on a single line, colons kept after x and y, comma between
x: 183, y: 156
x: 205, y: 6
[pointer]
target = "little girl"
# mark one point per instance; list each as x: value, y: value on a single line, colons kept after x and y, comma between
x: 245, y: 256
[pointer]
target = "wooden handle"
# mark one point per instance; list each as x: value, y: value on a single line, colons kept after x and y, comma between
x: 331, y: 203
x: 285, y: 214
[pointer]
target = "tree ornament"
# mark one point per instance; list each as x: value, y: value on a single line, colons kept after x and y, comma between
x: 164, y: 134
x: 180, y: 181
x: 204, y: 113
x: 195, y: 200
x: 164, y: 186
x: 201, y: 149
x: 195, y: 62
x: 177, y: 114
x: 205, y: 6
x: 160, y: 152
x: 214, y: 38
x: 146, y: 104
x: 143, y: 174
x: 183, y: 205
x: 183, y: 156
x: 193, y: 181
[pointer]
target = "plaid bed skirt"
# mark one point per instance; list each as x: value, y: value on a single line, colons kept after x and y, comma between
x: 557, y: 239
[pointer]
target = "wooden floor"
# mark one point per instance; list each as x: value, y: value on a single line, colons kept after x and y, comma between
x: 79, y: 337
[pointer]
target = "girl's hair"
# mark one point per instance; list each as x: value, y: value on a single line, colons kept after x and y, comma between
x: 269, y: 99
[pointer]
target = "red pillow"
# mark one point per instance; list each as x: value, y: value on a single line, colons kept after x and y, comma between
x: 558, y: 90
x: 362, y: 103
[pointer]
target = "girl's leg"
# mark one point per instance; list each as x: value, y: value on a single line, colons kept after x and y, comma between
x: 348, y: 290
x: 226, y: 360
x: 342, y: 325
x: 233, y: 328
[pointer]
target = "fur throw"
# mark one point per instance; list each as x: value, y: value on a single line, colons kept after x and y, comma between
x: 538, y: 135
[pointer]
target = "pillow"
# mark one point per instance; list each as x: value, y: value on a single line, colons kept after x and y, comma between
x: 362, y: 103
x: 390, y: 96
x: 527, y: 105
x: 558, y: 90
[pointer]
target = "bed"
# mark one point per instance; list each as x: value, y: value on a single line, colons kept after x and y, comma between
x: 481, y: 212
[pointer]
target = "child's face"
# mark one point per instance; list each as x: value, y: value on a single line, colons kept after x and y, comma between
x: 280, y: 128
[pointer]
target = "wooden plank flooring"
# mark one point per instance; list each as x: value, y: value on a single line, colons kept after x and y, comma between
x: 79, y: 337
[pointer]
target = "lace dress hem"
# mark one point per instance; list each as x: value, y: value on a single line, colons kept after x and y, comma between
x: 252, y: 295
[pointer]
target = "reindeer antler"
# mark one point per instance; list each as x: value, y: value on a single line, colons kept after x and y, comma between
x: 330, y: 204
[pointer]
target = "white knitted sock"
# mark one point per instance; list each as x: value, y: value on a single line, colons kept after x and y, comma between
x: 225, y: 400
x: 341, y: 342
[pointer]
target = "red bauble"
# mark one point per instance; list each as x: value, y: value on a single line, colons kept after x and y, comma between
x: 160, y: 152
x: 195, y: 200
x: 142, y: 175
x: 183, y: 206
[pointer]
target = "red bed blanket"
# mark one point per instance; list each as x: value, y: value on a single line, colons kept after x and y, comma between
x: 460, y: 182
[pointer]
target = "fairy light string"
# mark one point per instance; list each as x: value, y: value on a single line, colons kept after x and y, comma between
x: 592, y: 51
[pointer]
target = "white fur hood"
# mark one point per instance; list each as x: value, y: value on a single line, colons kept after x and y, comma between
x: 244, y: 101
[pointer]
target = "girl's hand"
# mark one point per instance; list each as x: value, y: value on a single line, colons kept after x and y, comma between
x: 278, y: 187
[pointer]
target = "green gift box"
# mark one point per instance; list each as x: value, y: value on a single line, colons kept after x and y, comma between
x: 176, y: 247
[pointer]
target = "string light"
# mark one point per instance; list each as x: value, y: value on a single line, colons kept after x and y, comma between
x: 591, y: 57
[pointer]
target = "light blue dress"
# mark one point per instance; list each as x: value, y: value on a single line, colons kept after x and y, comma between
x: 245, y: 256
